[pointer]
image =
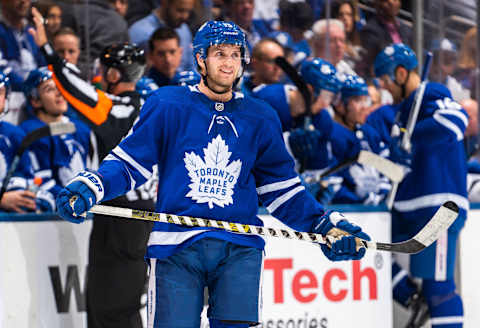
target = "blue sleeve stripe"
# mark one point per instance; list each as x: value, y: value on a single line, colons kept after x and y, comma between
x: 449, y: 125
x: 284, y: 198
x: 460, y: 114
x: 432, y: 200
x: 127, y: 158
x: 277, y: 186
x: 110, y: 157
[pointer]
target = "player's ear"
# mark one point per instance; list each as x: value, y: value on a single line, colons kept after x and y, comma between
x: 113, y: 75
x: 201, y: 64
x: 401, y: 75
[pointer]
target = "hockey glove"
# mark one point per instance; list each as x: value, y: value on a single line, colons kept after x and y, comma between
x: 341, y: 241
x: 305, y: 147
x: 84, y: 191
x: 397, y: 153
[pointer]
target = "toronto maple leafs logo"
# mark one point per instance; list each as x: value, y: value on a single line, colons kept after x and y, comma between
x: 213, y: 177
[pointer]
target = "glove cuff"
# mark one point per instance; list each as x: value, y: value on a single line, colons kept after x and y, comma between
x: 93, y: 182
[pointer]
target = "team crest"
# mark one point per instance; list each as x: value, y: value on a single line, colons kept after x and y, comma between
x: 213, y: 177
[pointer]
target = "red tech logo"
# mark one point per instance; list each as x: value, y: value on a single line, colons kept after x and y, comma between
x: 306, y: 279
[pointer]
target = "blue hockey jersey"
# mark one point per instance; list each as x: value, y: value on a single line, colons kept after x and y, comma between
x: 215, y: 160
x: 11, y: 137
x: 58, y: 159
x: 439, y: 167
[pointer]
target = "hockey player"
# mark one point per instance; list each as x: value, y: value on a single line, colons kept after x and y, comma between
x: 117, y: 247
x: 217, y: 151
x: 360, y: 183
x: 16, y: 198
x: 438, y: 173
x: 56, y: 159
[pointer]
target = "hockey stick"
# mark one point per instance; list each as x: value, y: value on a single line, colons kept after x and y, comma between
x: 388, y: 168
x: 412, y: 120
x: 51, y: 129
x: 442, y: 219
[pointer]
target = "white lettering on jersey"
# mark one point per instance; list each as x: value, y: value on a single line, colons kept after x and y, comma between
x: 212, y: 178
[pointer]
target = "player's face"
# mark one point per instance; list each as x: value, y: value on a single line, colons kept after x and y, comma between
x: 51, y: 99
x: 358, y: 109
x: 3, y: 93
x: 391, y: 87
x: 166, y: 56
x: 223, y: 64
x: 67, y: 46
x: 323, y: 100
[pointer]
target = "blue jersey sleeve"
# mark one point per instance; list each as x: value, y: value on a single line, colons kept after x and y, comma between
x: 130, y: 164
x: 279, y: 186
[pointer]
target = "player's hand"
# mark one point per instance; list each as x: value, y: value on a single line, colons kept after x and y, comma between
x: 397, y: 153
x: 79, y: 196
x: 38, y: 33
x: 341, y: 237
x: 19, y: 201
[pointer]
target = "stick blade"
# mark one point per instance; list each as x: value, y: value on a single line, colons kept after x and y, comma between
x: 388, y: 168
x: 57, y: 128
x: 440, y: 222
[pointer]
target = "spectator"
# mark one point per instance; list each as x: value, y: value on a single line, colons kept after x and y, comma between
x: 380, y: 31
x: 467, y: 63
x: 120, y: 6
x: 56, y: 159
x: 334, y: 52
x: 443, y: 66
x: 16, y: 198
x: 67, y: 44
x: 295, y: 19
x: 241, y: 13
x: 18, y: 49
x: 471, y: 132
x: 53, y: 17
x: 174, y: 14
x: 139, y: 10
x: 264, y: 69
x: 105, y: 27
x: 344, y: 10
x: 164, y: 55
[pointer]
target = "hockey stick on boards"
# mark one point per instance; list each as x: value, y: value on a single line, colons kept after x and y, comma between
x: 388, y: 168
x: 441, y: 220
x: 412, y: 120
x: 51, y: 129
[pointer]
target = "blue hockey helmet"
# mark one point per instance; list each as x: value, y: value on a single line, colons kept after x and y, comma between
x: 4, y: 80
x: 34, y: 79
x: 321, y: 75
x: 284, y: 39
x: 219, y: 32
x: 352, y: 86
x: 185, y: 78
x: 393, y: 56
x: 145, y: 87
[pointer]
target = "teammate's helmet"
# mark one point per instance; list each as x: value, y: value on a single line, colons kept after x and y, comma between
x: 4, y: 80
x: 352, y: 86
x: 127, y: 58
x: 321, y: 75
x: 393, y: 56
x: 145, y: 86
x: 219, y: 32
x: 185, y: 78
x: 34, y: 79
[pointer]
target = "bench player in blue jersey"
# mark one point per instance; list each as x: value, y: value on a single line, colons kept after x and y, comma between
x: 218, y: 152
x: 438, y: 173
x: 16, y: 198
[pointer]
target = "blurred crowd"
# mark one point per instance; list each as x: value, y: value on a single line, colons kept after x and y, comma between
x: 342, y: 86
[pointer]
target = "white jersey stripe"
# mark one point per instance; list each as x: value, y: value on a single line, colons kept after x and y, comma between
x: 127, y: 158
x: 277, y: 186
x: 454, y: 112
x: 430, y: 201
x: 284, y: 198
x: 449, y: 125
x: 446, y: 320
x: 171, y: 238
x: 151, y: 297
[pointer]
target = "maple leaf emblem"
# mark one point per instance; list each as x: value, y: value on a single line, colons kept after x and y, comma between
x: 213, y: 177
